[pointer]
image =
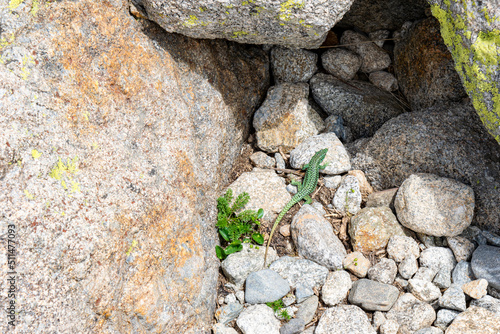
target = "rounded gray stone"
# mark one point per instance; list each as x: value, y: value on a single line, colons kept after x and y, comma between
x: 453, y: 298
x: 434, y: 205
x: 486, y: 264
x: 265, y: 286
x: 373, y: 296
x: 411, y: 313
x: 336, y: 287
x: 341, y: 63
x: 373, y: 58
x: 347, y: 198
x: 293, y: 65
x: 384, y: 80
x: 294, y: 326
x: 344, y: 319
x: 384, y: 271
x: 298, y: 271
x: 258, y: 319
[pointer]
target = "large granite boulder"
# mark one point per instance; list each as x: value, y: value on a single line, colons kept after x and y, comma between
x: 293, y: 23
x: 447, y: 140
x: 115, y: 140
x: 470, y: 30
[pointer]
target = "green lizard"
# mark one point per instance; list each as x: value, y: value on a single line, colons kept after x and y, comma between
x: 304, y: 189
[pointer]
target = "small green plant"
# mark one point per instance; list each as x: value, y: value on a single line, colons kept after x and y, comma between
x: 235, y: 228
x: 279, y: 307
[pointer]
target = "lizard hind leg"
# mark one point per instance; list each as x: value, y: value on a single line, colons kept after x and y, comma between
x: 308, y: 199
x: 298, y: 184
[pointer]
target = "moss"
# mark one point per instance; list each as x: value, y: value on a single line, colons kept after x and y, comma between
x: 477, y: 65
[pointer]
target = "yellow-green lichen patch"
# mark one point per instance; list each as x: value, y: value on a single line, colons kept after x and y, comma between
x: 287, y: 7
x: 64, y: 172
x: 476, y: 62
x: 193, y: 21
x: 131, y: 248
x: 28, y: 195
x: 4, y: 42
x: 35, y: 154
x: 35, y: 6
x: 25, y: 72
x: 13, y: 4
x: 237, y: 34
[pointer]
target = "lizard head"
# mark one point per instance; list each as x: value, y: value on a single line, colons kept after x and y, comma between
x: 320, y: 155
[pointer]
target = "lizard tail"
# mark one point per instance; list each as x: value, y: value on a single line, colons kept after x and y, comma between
x: 280, y: 216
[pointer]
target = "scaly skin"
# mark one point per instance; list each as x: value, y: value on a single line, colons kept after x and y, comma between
x: 305, y: 189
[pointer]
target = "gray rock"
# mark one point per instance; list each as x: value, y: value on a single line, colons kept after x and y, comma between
x: 258, y: 319
x: 379, y: 36
x: 363, y: 107
x: 266, y: 190
x: 230, y: 298
x: 357, y: 264
x: 294, y: 326
x: 370, y: 16
x: 332, y: 182
x: 344, y: 319
x: 416, y: 200
x: 378, y: 319
x: 293, y: 65
x: 221, y: 329
x: 280, y: 162
x: 491, y: 238
x: 307, y: 309
x: 303, y: 291
x: 442, y: 278
x: 438, y: 257
x: 347, y: 198
x: 477, y: 17
x: 447, y: 139
x: 444, y: 318
x: 461, y: 247
x: 462, y: 273
x: 228, y: 313
x: 237, y: 266
x: 286, y: 118
x: 411, y: 314
x: 314, y: 238
x: 399, y: 247
x: 408, y: 266
x: 486, y: 264
x: 429, y: 330
x: 453, y: 298
x: 382, y: 198
x: 373, y: 296
x: 291, y: 189
x: 260, y: 159
x: 426, y: 274
x: 389, y: 327
x: 401, y: 282
x: 475, y: 320
x: 299, y: 271
x: 265, y: 286
x: 240, y: 295
x: 309, y: 330
x: 384, y: 271
x: 371, y: 228
x: 424, y: 66
x: 342, y: 63
x: 489, y: 303
x: 289, y: 299
x: 373, y: 58
x: 335, y: 124
x: 384, y: 80
x: 336, y: 287
x: 151, y: 123
x: 337, y: 159
x: 298, y: 25
x: 424, y: 290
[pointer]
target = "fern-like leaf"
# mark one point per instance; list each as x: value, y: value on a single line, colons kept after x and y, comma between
x: 240, y: 201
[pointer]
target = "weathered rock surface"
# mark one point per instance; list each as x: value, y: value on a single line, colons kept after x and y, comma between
x: 290, y: 23
x: 371, y: 229
x: 447, y: 140
x: 363, y: 107
x: 314, y: 238
x: 486, y: 264
x: 373, y: 58
x: 433, y: 205
x: 336, y: 287
x: 258, y: 319
x: 137, y: 130
x: 285, y: 118
x: 476, y: 320
x: 348, y: 198
x: 424, y: 66
x: 373, y: 296
x: 341, y: 63
x: 373, y: 15
x: 293, y: 65
x: 344, y: 319
x: 470, y: 31
x: 300, y: 271
x: 265, y: 286
x: 411, y: 314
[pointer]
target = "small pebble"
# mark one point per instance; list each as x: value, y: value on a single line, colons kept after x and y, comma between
x: 285, y: 230
x: 476, y: 289
x: 357, y: 264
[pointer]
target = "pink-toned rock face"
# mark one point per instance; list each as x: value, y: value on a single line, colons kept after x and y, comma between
x: 116, y: 138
